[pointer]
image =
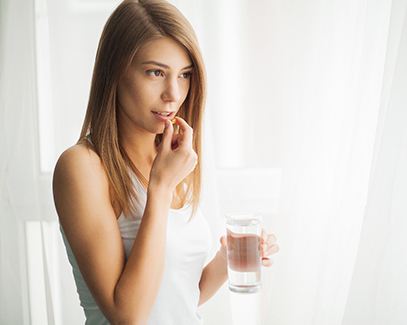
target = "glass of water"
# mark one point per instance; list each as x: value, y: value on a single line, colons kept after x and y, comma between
x: 243, y: 252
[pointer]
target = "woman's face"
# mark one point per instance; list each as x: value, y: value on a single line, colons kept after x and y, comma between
x: 158, y: 80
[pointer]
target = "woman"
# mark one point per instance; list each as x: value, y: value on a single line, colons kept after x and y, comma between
x: 127, y: 193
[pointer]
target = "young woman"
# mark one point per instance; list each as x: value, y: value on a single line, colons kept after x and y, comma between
x: 127, y: 193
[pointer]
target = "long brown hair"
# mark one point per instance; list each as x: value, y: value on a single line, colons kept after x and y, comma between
x: 131, y: 25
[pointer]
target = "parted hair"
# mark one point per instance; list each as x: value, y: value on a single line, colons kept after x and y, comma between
x: 131, y: 25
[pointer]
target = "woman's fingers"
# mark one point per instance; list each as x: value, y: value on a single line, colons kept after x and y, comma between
x: 272, y: 250
x: 268, y: 238
x: 263, y: 235
x: 267, y: 262
x: 185, y: 133
x: 223, y: 241
x: 268, y: 243
x: 175, y: 139
x: 268, y: 249
x: 271, y: 239
x: 167, y: 136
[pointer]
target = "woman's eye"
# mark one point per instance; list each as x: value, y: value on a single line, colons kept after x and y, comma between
x: 154, y: 73
x: 160, y: 73
x: 186, y: 75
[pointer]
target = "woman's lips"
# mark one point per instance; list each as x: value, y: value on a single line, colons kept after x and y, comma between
x: 163, y: 118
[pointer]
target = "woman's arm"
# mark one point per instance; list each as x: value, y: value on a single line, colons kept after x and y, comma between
x: 213, y: 277
x: 125, y: 292
x: 140, y: 280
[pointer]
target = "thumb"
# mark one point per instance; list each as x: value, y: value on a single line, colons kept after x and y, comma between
x: 223, y: 241
x: 167, y: 135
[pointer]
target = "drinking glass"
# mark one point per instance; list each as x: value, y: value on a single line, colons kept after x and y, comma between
x: 243, y: 252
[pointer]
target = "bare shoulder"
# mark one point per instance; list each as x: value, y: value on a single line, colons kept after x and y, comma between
x: 82, y: 202
x: 82, y: 156
x: 86, y: 163
x: 79, y: 169
x: 79, y: 179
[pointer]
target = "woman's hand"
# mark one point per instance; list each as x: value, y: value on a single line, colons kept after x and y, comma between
x: 174, y: 161
x: 268, y: 246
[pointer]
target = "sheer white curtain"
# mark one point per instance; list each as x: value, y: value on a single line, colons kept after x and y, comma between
x: 341, y: 144
x: 18, y: 188
x: 332, y: 71
x: 378, y: 291
x: 305, y: 122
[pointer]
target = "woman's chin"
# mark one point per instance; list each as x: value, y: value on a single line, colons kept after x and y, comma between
x: 154, y: 128
x: 158, y: 130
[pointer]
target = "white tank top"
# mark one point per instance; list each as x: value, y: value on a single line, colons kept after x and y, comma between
x: 187, y: 247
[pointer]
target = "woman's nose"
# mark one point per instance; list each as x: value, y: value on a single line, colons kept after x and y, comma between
x: 172, y: 91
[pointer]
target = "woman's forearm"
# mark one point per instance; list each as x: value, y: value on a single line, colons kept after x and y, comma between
x: 139, y: 283
x: 213, y: 277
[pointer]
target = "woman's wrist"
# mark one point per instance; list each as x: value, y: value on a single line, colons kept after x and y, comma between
x: 222, y: 261
x: 159, y: 194
x: 160, y: 188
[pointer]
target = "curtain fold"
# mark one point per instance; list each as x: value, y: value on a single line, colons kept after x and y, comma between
x: 18, y: 156
x: 378, y: 292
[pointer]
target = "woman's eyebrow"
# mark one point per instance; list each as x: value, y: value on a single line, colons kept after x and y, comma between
x: 164, y: 65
